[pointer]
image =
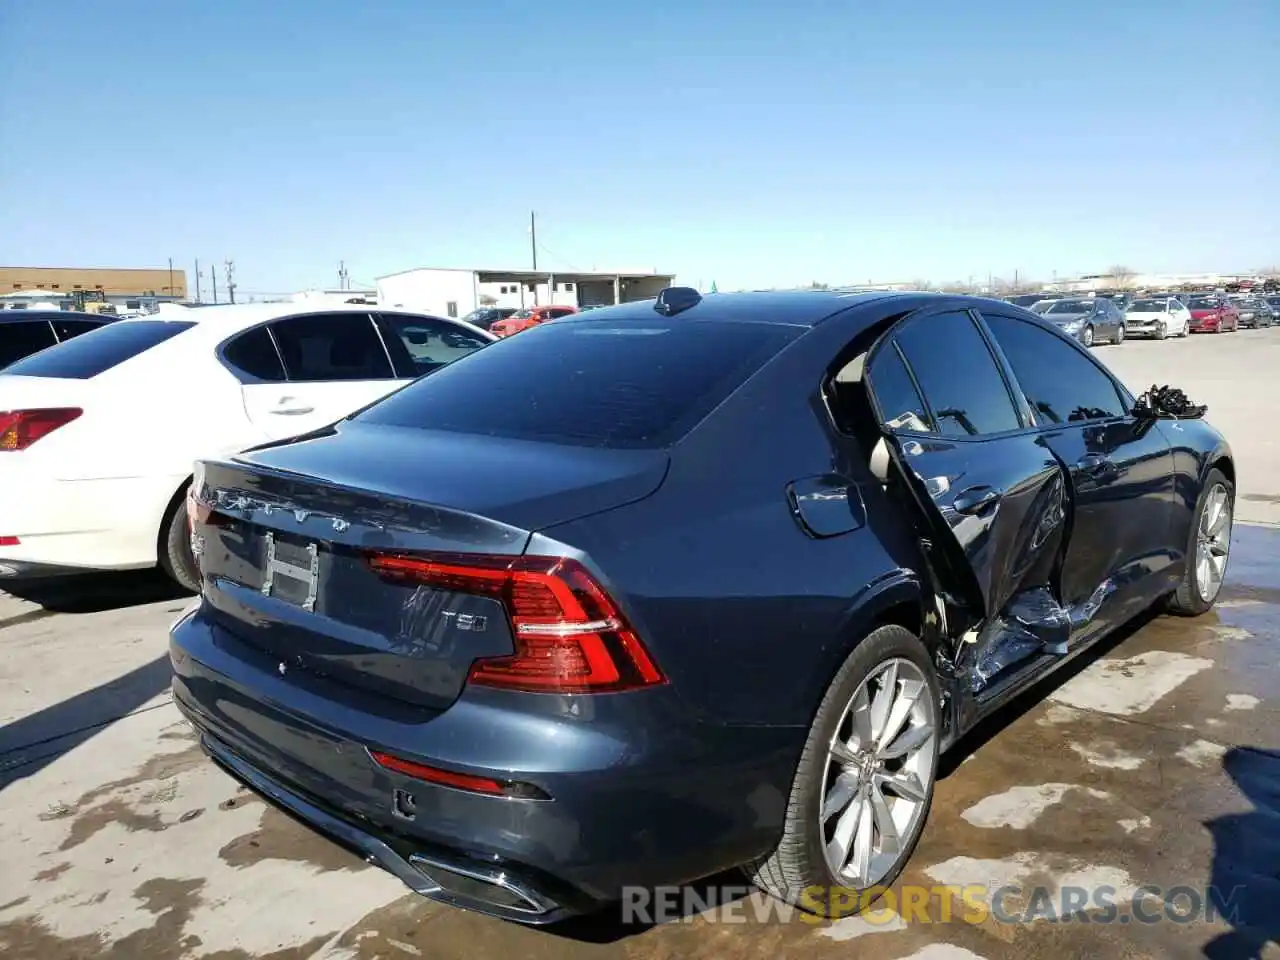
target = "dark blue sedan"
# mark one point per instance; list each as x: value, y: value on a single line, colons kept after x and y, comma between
x: 682, y: 585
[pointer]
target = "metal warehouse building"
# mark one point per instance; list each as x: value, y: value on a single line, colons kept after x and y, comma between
x: 455, y: 293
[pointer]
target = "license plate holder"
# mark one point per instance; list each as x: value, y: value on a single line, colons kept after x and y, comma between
x: 291, y: 571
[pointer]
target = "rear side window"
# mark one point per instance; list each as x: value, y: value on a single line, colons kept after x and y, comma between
x: 604, y: 384
x: 18, y: 340
x: 958, y: 374
x: 253, y: 353
x: 99, y: 350
x: 900, y: 405
x: 332, y: 346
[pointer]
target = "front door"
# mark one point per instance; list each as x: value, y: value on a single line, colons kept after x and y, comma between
x: 1117, y: 559
x: 992, y: 493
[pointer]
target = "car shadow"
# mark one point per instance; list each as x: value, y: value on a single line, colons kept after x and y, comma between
x: 31, y: 743
x: 620, y: 921
x: 1244, y: 879
x: 91, y: 592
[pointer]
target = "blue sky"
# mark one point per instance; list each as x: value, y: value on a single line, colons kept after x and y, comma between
x: 750, y: 143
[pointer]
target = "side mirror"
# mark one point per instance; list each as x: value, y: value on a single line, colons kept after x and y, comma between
x: 1166, y: 403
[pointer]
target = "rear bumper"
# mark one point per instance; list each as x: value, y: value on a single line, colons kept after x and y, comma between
x: 641, y: 792
x: 68, y: 526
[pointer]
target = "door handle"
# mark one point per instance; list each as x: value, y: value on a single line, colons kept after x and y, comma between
x: 284, y: 408
x: 1094, y: 464
x: 973, y: 500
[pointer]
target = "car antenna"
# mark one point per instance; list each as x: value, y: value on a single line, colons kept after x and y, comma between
x: 675, y: 300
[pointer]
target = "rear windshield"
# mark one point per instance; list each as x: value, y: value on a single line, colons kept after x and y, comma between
x: 98, y: 350
x: 632, y: 384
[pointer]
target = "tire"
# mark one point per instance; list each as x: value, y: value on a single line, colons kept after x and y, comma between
x: 1086, y: 336
x: 800, y: 863
x: 1119, y: 338
x: 1192, y: 598
x: 1161, y: 332
x: 175, y: 547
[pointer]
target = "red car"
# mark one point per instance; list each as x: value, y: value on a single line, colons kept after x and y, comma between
x: 1213, y: 315
x: 529, y: 317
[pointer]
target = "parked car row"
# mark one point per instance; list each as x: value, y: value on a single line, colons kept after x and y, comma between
x: 1110, y: 318
x: 504, y: 321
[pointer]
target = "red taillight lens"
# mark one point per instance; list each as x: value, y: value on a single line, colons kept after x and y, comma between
x: 19, y: 429
x: 10, y: 542
x: 569, y: 635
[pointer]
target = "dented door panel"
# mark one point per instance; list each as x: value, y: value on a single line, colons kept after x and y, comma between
x: 998, y: 502
x: 1122, y: 494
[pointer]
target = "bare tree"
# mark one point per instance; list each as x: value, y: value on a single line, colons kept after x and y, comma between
x: 921, y: 285
x: 957, y: 286
x: 1122, y: 275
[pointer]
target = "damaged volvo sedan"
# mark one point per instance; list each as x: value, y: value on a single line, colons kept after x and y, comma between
x: 682, y: 585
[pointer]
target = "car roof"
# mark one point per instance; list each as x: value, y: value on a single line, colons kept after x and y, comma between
x: 230, y: 317
x: 19, y: 315
x: 803, y: 308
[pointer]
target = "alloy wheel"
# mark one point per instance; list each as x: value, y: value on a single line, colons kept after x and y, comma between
x: 1120, y: 334
x: 1161, y: 332
x: 879, y: 771
x: 1213, y: 542
x: 1087, y: 337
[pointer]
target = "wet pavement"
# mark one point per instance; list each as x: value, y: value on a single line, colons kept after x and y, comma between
x: 1155, y: 763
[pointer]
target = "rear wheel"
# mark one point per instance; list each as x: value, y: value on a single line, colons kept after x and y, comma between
x: 1208, y: 549
x: 176, y: 558
x: 864, y: 783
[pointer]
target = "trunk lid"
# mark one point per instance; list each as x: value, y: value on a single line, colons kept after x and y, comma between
x: 284, y: 560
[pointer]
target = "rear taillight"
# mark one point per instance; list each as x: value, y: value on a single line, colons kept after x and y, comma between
x: 10, y: 542
x: 19, y: 429
x: 570, y: 636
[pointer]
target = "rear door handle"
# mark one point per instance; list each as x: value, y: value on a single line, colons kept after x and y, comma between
x: 1094, y: 465
x: 973, y: 500
x: 284, y: 408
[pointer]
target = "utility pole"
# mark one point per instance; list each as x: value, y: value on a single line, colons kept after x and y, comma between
x: 230, y: 266
x: 533, y: 239
x: 344, y: 278
x: 171, y: 277
x: 214, y: 271
x: 198, y: 280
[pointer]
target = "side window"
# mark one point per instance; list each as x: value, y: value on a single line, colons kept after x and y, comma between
x: 429, y: 342
x: 331, y: 346
x: 896, y: 395
x: 253, y: 353
x: 958, y: 374
x: 66, y: 329
x: 1062, y: 384
x: 21, y: 339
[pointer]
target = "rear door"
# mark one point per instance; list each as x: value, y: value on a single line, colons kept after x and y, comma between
x: 332, y: 364
x: 992, y: 494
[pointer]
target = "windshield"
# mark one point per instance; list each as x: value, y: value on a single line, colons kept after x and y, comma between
x: 523, y: 314
x: 1069, y: 306
x: 98, y: 350
x: 634, y: 384
x: 1203, y: 303
x: 1149, y: 306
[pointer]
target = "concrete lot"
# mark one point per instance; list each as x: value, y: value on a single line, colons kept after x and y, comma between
x: 1156, y: 762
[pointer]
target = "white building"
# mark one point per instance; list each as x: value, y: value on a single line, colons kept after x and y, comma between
x: 455, y: 293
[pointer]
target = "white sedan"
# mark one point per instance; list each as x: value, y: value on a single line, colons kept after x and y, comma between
x: 98, y: 435
x: 1159, y: 318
